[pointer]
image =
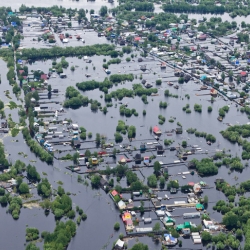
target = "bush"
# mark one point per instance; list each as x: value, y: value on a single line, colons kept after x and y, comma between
x: 32, y: 234
x: 117, y: 226
x: 198, y: 108
x: 184, y: 144
x: 24, y: 188
x: 158, y: 82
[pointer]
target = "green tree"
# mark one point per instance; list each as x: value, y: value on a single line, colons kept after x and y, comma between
x: 1, y: 105
x: 103, y: 11
x: 152, y: 181
x: 131, y: 177
x: 205, y: 200
x: 230, y: 220
x: 95, y: 180
x: 24, y: 188
x: 157, y: 227
x: 117, y: 226
x: 230, y: 74
x: 223, y: 76
x: 157, y: 168
x: 60, y: 191
x: 44, y: 188
x: 49, y: 88
x: 32, y: 173
x: 32, y: 246
x: 98, y: 139
x: 162, y: 182
x: 206, y: 236
x: 75, y: 158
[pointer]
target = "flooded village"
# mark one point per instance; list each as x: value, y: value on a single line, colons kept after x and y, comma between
x: 124, y: 126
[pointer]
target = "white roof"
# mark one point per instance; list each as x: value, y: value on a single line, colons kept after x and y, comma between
x: 160, y: 212
x: 119, y: 243
x: 146, y: 229
x: 37, y: 109
x: 121, y: 204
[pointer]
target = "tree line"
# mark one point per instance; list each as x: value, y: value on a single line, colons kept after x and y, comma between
x: 97, y: 49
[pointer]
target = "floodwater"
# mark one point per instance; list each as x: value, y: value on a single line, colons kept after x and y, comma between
x: 97, y: 231
x: 99, y: 207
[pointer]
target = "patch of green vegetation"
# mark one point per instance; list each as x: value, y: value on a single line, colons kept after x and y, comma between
x: 168, y: 94
x: 198, y: 108
x: 32, y: 234
x: 161, y: 119
x: 167, y: 142
x: 12, y: 105
x: 14, y: 132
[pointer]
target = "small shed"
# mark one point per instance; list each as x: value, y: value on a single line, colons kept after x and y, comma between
x: 179, y: 130
x: 119, y: 244
x: 159, y: 149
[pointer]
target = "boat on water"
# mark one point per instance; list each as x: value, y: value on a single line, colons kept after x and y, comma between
x: 220, y: 118
x: 204, y: 87
x: 107, y: 71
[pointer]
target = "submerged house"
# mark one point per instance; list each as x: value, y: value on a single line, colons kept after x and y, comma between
x: 159, y: 149
x: 168, y: 221
x: 169, y: 240
x: 127, y: 220
x: 143, y: 147
x: 76, y: 142
x: 138, y: 158
x: 119, y: 245
x: 178, y: 130
x: 156, y: 130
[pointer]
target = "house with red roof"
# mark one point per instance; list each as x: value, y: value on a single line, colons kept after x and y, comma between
x: 114, y: 193
x: 44, y: 77
x: 116, y: 197
x: 109, y: 29
x: 243, y: 73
